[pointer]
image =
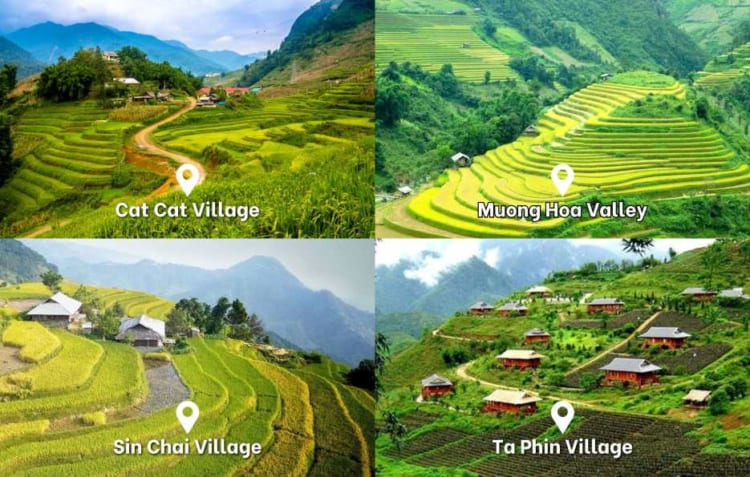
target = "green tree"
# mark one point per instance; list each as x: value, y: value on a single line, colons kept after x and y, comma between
x: 218, y: 316
x: 489, y: 28
x: 711, y: 259
x: 198, y: 313
x: 638, y: 246
x: 395, y: 429
x: 52, y: 280
x: 487, y: 76
x: 718, y: 403
x: 363, y: 376
x: 178, y: 322
x: 390, y: 102
x: 382, y: 356
x: 106, y: 324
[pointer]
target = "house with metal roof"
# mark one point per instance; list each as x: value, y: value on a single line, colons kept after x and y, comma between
x: 700, y: 294
x: 512, y: 309
x: 461, y: 160
x: 435, y: 385
x: 59, y: 310
x: 631, y: 370
x: 481, y: 308
x: 516, y: 402
x: 665, y: 336
x: 520, y: 358
x: 605, y: 305
x: 142, y: 332
x: 536, y: 335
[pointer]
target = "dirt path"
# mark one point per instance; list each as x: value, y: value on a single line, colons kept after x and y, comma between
x: 617, y: 346
x: 144, y: 144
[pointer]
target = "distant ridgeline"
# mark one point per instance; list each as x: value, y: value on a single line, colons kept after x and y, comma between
x: 327, y: 21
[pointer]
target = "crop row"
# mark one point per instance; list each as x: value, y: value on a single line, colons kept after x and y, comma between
x: 37, y: 343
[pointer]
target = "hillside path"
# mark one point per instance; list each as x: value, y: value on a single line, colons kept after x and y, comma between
x: 143, y: 141
x: 619, y: 345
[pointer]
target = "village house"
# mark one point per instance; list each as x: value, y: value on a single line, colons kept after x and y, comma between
x: 480, y: 308
x: 128, y: 81
x: 699, y: 294
x: 539, y: 292
x: 435, y: 385
x: 631, y: 370
x: 512, y: 309
x: 142, y: 332
x: 57, y: 311
x: 405, y: 190
x: 516, y: 402
x: 461, y: 160
x: 604, y: 305
x: 143, y: 98
x: 207, y: 91
x: 110, y: 56
x: 605, y: 76
x: 520, y: 358
x: 666, y: 337
x: 536, y: 335
x: 531, y: 131
x: 734, y: 293
x: 696, y: 398
x: 205, y: 102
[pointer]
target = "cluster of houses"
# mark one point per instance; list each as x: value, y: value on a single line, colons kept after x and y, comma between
x: 207, y: 98
x: 62, y: 311
x: 146, y: 97
x: 629, y: 371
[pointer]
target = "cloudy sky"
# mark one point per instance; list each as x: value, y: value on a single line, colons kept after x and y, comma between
x: 345, y: 267
x: 433, y: 257
x: 239, y: 25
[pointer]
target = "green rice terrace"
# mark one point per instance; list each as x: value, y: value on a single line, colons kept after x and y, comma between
x: 451, y: 433
x: 436, y: 39
x: 628, y: 138
x: 65, y: 399
x: 77, y: 161
x: 724, y: 69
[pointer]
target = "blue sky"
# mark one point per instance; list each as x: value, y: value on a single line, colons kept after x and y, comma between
x: 238, y: 25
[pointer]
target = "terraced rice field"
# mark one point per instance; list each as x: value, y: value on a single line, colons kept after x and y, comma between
x: 613, y: 156
x: 135, y: 303
x: 434, y: 40
x: 79, y: 151
x: 722, y: 72
x: 241, y: 398
x: 283, y: 132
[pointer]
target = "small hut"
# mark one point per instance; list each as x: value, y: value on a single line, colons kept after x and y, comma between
x: 631, y: 370
x: 481, y: 308
x: 531, y: 131
x: 605, y: 305
x: 435, y: 385
x: 512, y: 309
x: 699, y: 294
x: 520, y: 358
x: 664, y: 336
x: 697, y: 398
x: 516, y: 402
x: 461, y: 160
x: 536, y: 335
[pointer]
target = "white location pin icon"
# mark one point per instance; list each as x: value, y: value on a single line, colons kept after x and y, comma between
x: 562, y: 421
x: 187, y: 422
x: 188, y: 184
x: 562, y: 184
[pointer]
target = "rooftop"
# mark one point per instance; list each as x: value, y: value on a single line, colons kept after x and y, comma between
x: 57, y: 304
x: 513, y: 306
x: 480, y: 305
x: 664, y: 332
x: 631, y: 365
x: 606, y: 301
x: 697, y: 395
x: 152, y: 324
x: 697, y: 291
x: 512, y: 397
x: 436, y: 380
x: 519, y: 354
x: 536, y: 332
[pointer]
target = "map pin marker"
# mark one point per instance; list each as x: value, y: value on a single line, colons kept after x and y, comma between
x: 187, y: 422
x: 562, y: 184
x: 189, y: 183
x: 562, y: 422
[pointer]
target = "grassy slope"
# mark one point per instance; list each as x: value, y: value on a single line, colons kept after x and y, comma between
x: 709, y: 23
x: 402, y: 374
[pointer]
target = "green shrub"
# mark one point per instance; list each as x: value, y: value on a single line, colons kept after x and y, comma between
x: 97, y: 418
x: 158, y: 357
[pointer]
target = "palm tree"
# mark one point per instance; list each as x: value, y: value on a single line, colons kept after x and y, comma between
x: 638, y: 246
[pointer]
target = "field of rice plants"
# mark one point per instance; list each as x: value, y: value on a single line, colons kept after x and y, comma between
x: 724, y: 69
x: 74, y: 147
x: 435, y: 40
x: 241, y: 398
x: 612, y: 156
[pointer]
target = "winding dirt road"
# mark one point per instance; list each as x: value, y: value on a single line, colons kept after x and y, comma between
x: 143, y: 141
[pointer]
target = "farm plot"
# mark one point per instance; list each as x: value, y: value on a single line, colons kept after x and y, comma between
x: 76, y: 150
x: 432, y: 41
x: 692, y: 359
x: 612, y: 156
x: 37, y: 343
x: 724, y: 69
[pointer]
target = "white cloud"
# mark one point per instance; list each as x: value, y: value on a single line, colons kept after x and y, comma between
x: 253, y: 26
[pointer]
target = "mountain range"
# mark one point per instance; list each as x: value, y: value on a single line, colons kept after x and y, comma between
x: 46, y: 42
x: 309, y: 319
x: 19, y: 263
x: 12, y: 54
